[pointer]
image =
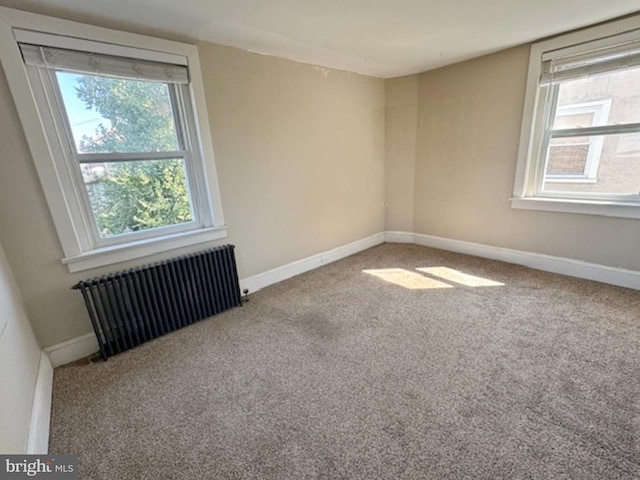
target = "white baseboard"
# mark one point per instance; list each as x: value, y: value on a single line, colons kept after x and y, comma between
x: 80, y: 347
x: 38, y: 435
x: 264, y: 279
x: 85, y: 345
x: 72, y: 350
x: 565, y: 266
x: 398, y: 237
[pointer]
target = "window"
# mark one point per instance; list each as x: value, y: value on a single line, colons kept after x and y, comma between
x: 580, y: 143
x: 120, y: 141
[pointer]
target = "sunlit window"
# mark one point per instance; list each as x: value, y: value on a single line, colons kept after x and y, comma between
x: 119, y: 133
x: 129, y: 152
x: 125, y: 127
x: 580, y: 145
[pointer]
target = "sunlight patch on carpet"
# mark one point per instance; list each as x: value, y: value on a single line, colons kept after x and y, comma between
x: 407, y: 279
x: 457, y: 276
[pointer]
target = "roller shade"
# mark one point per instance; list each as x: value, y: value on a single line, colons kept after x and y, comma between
x: 101, y: 64
x: 556, y: 67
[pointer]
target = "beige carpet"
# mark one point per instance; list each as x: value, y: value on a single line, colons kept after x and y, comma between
x: 346, y: 374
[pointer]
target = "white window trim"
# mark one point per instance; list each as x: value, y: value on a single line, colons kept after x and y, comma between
x: 600, y: 110
x: 525, y: 188
x: 56, y: 182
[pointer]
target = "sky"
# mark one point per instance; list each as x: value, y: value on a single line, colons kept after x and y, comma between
x: 83, y: 121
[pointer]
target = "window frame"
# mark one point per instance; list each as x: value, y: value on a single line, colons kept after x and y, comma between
x: 74, y: 159
x: 51, y: 156
x: 527, y: 193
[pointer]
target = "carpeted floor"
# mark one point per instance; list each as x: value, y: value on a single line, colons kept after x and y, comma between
x: 340, y: 374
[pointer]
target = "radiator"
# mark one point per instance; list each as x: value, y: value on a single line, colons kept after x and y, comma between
x: 131, y: 307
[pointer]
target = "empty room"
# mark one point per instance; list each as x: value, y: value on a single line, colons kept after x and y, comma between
x: 319, y: 240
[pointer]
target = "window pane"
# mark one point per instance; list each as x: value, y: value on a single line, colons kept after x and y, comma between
x: 619, y: 89
x: 115, y: 115
x: 611, y: 165
x: 135, y: 196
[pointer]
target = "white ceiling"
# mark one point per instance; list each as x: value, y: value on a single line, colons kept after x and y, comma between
x: 381, y: 38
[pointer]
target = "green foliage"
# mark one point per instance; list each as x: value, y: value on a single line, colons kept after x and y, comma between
x: 140, y: 115
x: 133, y: 195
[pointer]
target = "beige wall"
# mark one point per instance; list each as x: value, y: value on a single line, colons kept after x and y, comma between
x: 19, y: 360
x: 400, y: 149
x: 300, y: 158
x: 469, y: 117
x: 307, y: 158
x: 300, y: 154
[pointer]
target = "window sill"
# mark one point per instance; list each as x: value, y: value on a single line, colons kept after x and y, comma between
x: 601, y: 208
x: 100, y: 257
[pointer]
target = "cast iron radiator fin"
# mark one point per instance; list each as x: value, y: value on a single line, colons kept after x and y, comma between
x: 130, y: 307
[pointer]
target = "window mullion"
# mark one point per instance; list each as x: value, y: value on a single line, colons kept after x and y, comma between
x: 128, y: 157
x: 596, y: 130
